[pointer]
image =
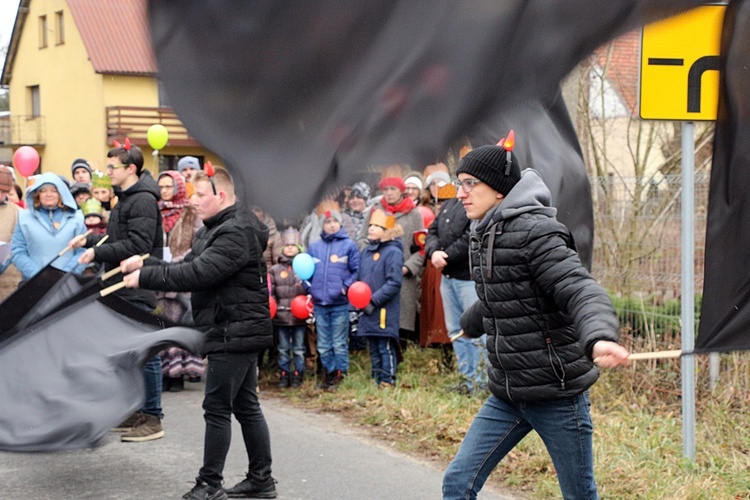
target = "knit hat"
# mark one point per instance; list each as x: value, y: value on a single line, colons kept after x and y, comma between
x: 80, y: 187
x: 414, y: 178
x: 92, y: 206
x: 489, y: 164
x: 188, y: 162
x: 329, y: 208
x: 6, y: 180
x: 360, y: 190
x: 290, y: 236
x: 100, y: 180
x: 80, y: 163
x: 396, y: 182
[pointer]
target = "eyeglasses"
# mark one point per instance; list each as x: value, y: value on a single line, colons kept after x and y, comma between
x: 467, y: 184
x: 114, y: 167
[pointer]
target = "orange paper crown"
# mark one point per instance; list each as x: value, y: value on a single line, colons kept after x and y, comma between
x: 380, y: 218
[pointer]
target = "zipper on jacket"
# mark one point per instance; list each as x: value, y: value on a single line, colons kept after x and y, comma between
x: 551, y: 351
x: 494, y: 324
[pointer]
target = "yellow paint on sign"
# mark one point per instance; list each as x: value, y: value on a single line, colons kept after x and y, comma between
x: 680, y: 66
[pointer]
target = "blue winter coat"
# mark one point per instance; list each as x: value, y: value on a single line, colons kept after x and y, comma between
x: 336, y: 265
x: 380, y: 267
x: 36, y: 241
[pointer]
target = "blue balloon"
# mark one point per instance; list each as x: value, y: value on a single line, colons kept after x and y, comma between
x: 304, y: 266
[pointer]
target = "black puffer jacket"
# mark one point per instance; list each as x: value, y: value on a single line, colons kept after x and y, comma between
x: 541, y: 309
x: 134, y: 229
x: 449, y: 232
x: 226, y: 272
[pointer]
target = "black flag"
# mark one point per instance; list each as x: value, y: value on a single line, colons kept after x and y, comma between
x: 279, y: 89
x: 66, y: 380
x: 725, y: 310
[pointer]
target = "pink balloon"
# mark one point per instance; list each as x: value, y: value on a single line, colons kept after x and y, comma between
x: 359, y: 294
x: 26, y: 160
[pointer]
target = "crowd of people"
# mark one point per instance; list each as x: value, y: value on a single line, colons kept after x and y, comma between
x: 474, y: 260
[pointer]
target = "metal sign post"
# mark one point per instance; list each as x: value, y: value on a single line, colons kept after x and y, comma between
x: 688, y: 289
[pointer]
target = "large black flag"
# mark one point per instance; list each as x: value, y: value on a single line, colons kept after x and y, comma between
x: 67, y: 379
x: 725, y: 310
x: 300, y: 95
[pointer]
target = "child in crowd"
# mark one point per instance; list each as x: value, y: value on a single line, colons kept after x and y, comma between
x: 336, y: 265
x: 380, y: 267
x: 290, y: 331
x: 101, y: 189
x: 93, y: 217
x: 81, y: 192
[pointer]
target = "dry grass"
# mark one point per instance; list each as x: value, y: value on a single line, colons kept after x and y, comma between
x: 637, y: 417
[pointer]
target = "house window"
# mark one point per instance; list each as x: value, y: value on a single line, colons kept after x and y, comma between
x: 59, y: 28
x: 35, y: 105
x: 42, y: 32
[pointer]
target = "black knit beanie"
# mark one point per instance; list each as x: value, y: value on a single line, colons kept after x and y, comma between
x: 489, y: 165
x: 80, y: 163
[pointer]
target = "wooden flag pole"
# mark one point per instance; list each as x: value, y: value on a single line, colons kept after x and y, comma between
x: 112, y: 289
x: 457, y: 336
x: 67, y: 248
x: 99, y: 243
x: 655, y: 355
x: 118, y: 269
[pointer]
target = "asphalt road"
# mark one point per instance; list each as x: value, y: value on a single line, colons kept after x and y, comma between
x: 316, y: 456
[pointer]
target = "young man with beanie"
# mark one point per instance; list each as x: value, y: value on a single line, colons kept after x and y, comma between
x: 81, y: 171
x: 134, y: 228
x: 548, y: 325
x: 226, y: 273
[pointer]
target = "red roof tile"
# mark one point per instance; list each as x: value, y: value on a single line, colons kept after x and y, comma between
x: 624, y: 65
x: 116, y: 36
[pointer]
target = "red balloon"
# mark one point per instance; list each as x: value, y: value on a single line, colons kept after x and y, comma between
x: 359, y: 294
x: 26, y: 160
x: 427, y: 215
x: 302, y: 307
x: 273, y: 306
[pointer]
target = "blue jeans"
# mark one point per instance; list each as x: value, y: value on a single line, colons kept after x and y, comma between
x: 332, y: 327
x: 471, y: 354
x: 152, y: 378
x: 231, y: 382
x: 383, y: 359
x: 564, y: 426
x: 291, y: 343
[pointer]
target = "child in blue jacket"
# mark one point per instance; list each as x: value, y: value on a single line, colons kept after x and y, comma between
x: 336, y: 265
x: 381, y: 264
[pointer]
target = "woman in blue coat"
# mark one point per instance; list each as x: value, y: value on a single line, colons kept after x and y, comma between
x: 46, y: 227
x: 380, y: 266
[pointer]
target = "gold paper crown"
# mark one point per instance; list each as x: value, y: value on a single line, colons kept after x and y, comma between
x: 328, y: 205
x: 380, y: 218
x: 446, y: 192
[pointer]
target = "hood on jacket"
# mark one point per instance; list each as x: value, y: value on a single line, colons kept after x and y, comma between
x: 55, y: 180
x: 530, y: 194
x: 145, y: 184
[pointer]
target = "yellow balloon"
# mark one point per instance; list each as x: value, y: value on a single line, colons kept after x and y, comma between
x: 157, y: 136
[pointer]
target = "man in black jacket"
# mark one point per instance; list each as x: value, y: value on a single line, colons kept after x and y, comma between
x: 134, y: 228
x: 447, y: 247
x: 226, y: 273
x: 548, y: 325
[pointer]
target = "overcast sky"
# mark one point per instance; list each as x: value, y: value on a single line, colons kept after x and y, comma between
x: 8, y: 9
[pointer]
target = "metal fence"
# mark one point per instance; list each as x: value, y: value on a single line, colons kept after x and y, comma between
x: 637, y: 249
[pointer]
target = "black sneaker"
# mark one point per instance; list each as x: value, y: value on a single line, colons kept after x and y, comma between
x: 203, y: 491
x: 283, y: 380
x: 250, y: 488
x: 296, y: 379
x: 327, y: 382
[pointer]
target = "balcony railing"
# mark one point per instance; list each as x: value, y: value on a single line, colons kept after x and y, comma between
x: 22, y: 130
x: 133, y: 122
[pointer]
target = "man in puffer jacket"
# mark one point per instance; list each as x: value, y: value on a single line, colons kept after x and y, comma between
x: 547, y: 322
x: 226, y: 273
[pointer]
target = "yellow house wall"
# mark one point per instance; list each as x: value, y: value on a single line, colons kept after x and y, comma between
x: 70, y: 91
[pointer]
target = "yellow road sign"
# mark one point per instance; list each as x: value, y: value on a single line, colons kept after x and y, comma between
x: 680, y: 66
